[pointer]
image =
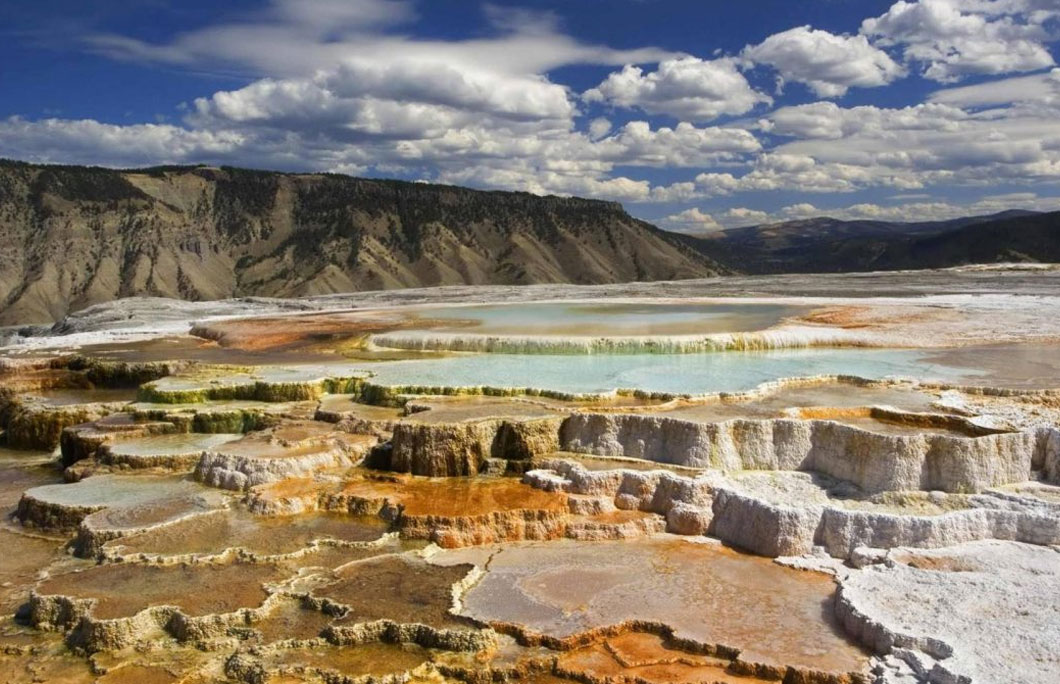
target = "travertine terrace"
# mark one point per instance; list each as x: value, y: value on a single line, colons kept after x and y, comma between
x: 477, y: 487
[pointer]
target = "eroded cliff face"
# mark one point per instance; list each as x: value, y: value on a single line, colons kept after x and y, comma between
x: 75, y: 236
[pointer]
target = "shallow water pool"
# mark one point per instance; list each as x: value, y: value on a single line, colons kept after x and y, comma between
x: 670, y: 373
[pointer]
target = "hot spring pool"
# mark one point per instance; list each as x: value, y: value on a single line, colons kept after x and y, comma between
x: 670, y: 373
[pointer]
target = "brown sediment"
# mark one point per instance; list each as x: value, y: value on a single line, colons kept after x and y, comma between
x: 114, y: 523
x: 193, y: 350
x: 338, y: 332
x: 451, y: 498
x: 468, y: 409
x: 369, y: 492
x: 449, y: 511
x: 396, y: 587
x: 138, y: 674
x: 645, y: 657
x: 649, y: 652
x: 455, y: 512
x: 839, y: 317
x: 369, y: 662
x: 309, y: 330
x: 569, y: 594
x: 115, y: 606
x: 288, y: 619
x: 22, y: 560
x: 122, y: 590
x: 858, y: 317
x: 257, y: 536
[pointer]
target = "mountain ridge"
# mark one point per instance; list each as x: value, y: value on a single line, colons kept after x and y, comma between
x: 828, y: 245
x: 73, y: 236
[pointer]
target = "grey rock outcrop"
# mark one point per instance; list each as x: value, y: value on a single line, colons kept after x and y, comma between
x: 779, y: 523
x: 463, y: 448
x: 875, y: 462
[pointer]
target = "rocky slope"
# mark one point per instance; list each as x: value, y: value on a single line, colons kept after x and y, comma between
x: 75, y: 236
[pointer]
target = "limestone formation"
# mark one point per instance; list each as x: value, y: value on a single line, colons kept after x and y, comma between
x: 64, y: 506
x: 873, y: 461
x: 115, y: 522
x: 441, y: 450
x: 84, y: 441
x: 173, y: 451
x: 114, y: 606
x: 38, y: 425
x: 300, y: 504
x: 464, y: 448
x: 778, y: 338
x: 789, y: 514
x: 290, y: 450
x: 283, y: 384
x: 223, y: 416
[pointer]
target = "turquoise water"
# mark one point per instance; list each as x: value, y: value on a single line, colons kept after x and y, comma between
x: 647, y: 318
x: 671, y: 373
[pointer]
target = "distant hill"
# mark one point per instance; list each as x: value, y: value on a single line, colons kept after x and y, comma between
x: 826, y: 245
x: 1033, y: 238
x: 74, y: 236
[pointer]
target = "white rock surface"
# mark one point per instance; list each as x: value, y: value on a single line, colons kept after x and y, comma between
x: 791, y: 513
x: 873, y: 461
x: 984, y: 612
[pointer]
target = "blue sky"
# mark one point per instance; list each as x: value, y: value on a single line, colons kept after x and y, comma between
x: 696, y: 115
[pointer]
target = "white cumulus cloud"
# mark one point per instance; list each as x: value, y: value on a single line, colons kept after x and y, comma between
x: 690, y: 222
x: 829, y: 64
x: 952, y: 39
x: 687, y: 88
